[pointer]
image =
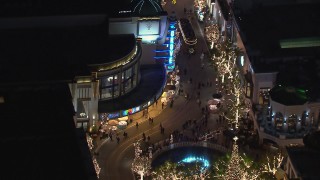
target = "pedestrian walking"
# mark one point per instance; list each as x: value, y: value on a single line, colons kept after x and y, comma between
x: 171, y: 103
x: 155, y: 100
x: 162, y: 104
x: 149, y: 120
x: 137, y: 125
x: 118, y: 139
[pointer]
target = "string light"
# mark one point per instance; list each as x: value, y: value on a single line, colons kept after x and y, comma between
x: 236, y: 168
x: 273, y: 163
x: 94, y: 160
x: 141, y: 164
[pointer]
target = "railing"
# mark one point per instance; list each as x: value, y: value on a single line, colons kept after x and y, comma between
x: 190, y: 144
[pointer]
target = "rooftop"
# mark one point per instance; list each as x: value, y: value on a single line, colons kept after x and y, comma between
x: 283, y: 38
x: 37, y: 54
x: 288, y: 95
x: 280, y: 31
x: 301, y: 158
x: 39, y: 135
x: 21, y: 8
x: 146, y: 7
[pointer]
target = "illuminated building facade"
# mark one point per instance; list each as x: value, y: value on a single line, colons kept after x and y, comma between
x: 115, y: 88
x: 270, y: 57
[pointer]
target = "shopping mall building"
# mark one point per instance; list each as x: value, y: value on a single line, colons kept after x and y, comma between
x: 131, y: 78
x: 106, y: 56
x: 278, y: 63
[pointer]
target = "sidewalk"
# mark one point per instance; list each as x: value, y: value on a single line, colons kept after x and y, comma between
x: 153, y: 111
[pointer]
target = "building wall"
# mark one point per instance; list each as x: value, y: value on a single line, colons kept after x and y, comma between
x: 84, y: 94
x: 261, y: 80
x: 141, y: 27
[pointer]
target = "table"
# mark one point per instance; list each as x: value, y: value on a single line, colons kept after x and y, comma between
x: 114, y: 128
x: 122, y: 124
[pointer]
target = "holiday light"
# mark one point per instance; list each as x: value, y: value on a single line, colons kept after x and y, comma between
x: 141, y: 164
x: 94, y: 160
x: 187, y: 40
x: 236, y: 168
x: 168, y: 170
x: 212, y: 34
x: 273, y: 163
x: 90, y: 142
x: 96, y: 166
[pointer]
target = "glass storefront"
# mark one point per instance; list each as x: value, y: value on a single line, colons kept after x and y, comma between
x: 112, y: 86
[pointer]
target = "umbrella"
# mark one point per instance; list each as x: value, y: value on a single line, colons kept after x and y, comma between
x: 113, y: 122
x: 213, y: 101
x: 123, y: 118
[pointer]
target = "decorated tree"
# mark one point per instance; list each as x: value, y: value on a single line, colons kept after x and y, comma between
x: 212, y: 34
x: 182, y: 170
x: 196, y: 171
x: 141, y: 164
x: 272, y: 163
x: 94, y: 160
x: 169, y: 170
x: 234, y: 170
x: 236, y: 167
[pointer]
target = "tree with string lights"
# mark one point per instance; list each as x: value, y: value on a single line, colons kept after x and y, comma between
x: 94, y: 160
x: 236, y: 167
x: 141, y: 164
x: 169, y: 170
x: 181, y: 170
x: 234, y: 170
x: 273, y: 163
x: 212, y: 34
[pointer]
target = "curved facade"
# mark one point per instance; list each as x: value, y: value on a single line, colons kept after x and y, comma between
x: 120, y: 76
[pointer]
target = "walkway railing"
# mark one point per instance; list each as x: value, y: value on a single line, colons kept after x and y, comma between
x: 190, y: 144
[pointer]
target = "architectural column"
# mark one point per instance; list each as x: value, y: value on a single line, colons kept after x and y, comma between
x: 94, y: 100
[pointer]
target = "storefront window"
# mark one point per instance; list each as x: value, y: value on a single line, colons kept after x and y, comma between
x: 106, y: 93
x: 292, y: 120
x: 128, y: 85
x: 122, y: 77
x: 278, y: 120
x: 128, y: 73
x: 116, y: 91
x: 264, y: 96
x: 107, y: 81
x: 116, y: 80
